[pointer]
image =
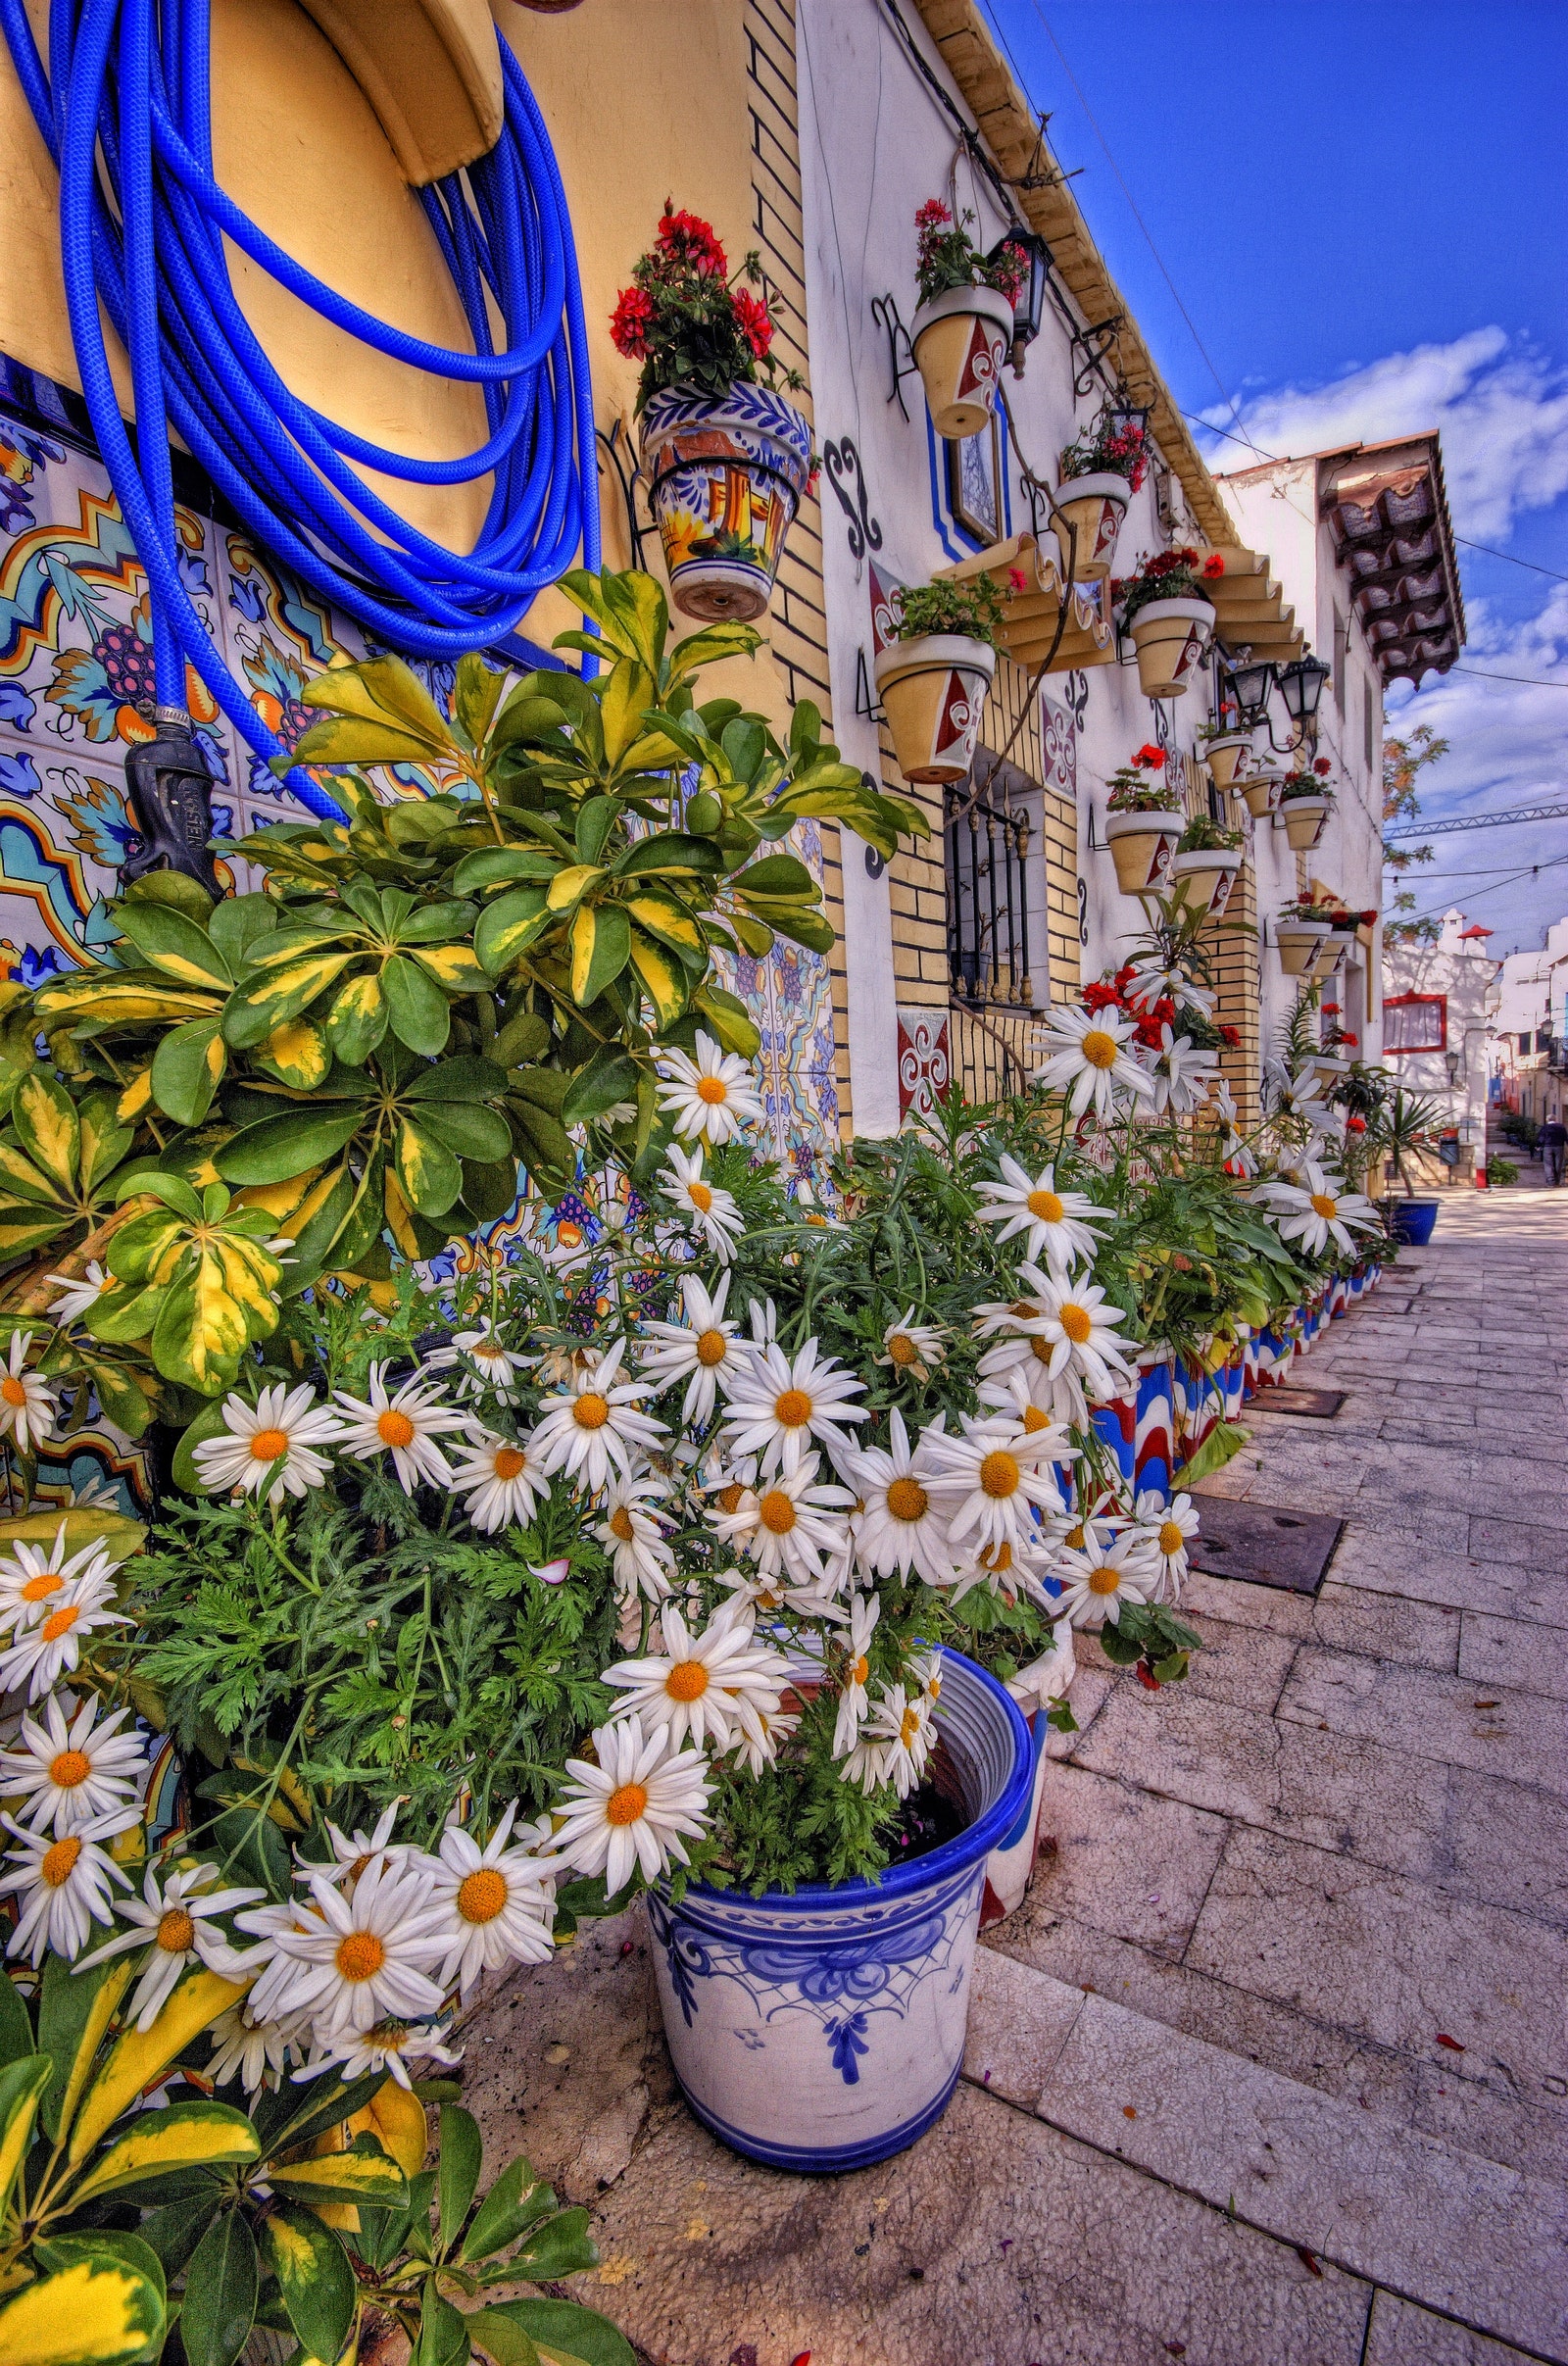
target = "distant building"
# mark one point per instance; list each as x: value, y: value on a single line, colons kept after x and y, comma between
x: 1437, y: 1006
x: 1526, y: 1043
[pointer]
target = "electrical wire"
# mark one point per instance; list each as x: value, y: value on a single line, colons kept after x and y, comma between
x: 125, y: 109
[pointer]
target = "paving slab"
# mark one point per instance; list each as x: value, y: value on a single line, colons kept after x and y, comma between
x: 1114, y: 1855
x: 1498, y: 1731
x: 1402, y: 2335
x: 1514, y: 1651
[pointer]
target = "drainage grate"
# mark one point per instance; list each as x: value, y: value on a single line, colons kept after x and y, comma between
x: 1267, y: 1548
x: 1312, y: 1404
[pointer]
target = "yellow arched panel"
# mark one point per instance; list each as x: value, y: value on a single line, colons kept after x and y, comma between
x: 431, y: 71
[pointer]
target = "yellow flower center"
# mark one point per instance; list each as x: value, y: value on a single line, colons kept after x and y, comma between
x: 1323, y: 1206
x: 176, y: 1932
x: 713, y: 1090
x: 1045, y: 1206
x: 268, y: 1444
x: 360, y: 1955
x: 861, y: 1670
x: 1077, y: 1322
x: 1074, y: 1539
x: 1034, y: 1419
x: 909, y: 1726
x: 1040, y: 1350
x: 12, y: 1390
x: 591, y: 1410
x: 907, y: 1500
x: 56, y: 1865
x: 59, y: 1622
x: 72, y: 1767
x: 687, y: 1680
x: 1104, y: 1579
x: 777, y: 1512
x: 793, y: 1408
x: 1171, y: 1538
x: 901, y: 1349
x: 700, y: 1195
x: 481, y: 1895
x: 729, y: 1499
x: 933, y: 1690
x: 996, y: 1557
x: 710, y: 1349
x: 40, y: 1588
x: 621, y: 1525
x: 999, y: 1474
x: 1098, y: 1049
x: 509, y: 1462
x: 394, y: 1428
x: 628, y: 1804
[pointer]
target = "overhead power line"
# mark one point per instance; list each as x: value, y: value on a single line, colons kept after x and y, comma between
x: 1480, y: 822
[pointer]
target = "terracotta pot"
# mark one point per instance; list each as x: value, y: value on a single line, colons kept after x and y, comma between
x: 958, y: 340
x: 1304, y: 818
x: 1223, y: 757
x: 1171, y: 638
x: 1096, y: 505
x: 1204, y: 878
x: 1259, y: 790
x: 726, y: 480
x: 932, y: 690
x: 1142, y: 845
x: 1299, y: 943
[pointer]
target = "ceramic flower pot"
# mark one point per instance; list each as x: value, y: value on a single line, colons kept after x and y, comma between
x: 1095, y: 506
x: 1304, y: 818
x: 1155, y: 1439
x: 1259, y: 790
x: 1171, y: 638
x: 958, y: 340
x: 1009, y: 1869
x: 1232, y: 1378
x: 1413, y: 1221
x: 1223, y: 756
x: 1115, y: 1426
x: 932, y: 690
x: 1299, y: 943
x: 725, y: 478
x: 1142, y: 845
x: 1203, y: 880
x: 825, y: 2030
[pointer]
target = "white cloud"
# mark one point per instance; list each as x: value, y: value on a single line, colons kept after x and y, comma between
x: 1499, y: 406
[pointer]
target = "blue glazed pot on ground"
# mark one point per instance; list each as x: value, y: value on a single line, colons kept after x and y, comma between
x: 1413, y: 1221
x: 825, y: 2030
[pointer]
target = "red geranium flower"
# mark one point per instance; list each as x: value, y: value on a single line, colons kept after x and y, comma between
x: 1125, y: 976
x: 1018, y: 578
x: 686, y: 238
x: 1354, y: 1125
x: 1323, y: 767
x: 1100, y: 998
x: 629, y: 323
x: 1150, y: 758
x: 1231, y: 1038
x: 931, y: 214
x: 754, y: 320
x: 1214, y: 565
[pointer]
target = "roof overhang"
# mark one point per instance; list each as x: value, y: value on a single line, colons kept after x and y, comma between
x: 1388, y: 510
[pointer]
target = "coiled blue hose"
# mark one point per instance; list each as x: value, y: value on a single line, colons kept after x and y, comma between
x: 129, y: 84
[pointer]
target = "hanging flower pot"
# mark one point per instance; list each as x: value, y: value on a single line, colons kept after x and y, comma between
x: 1223, y: 755
x: 1142, y: 845
x: 1300, y: 942
x: 1304, y: 818
x: 1259, y: 791
x: 824, y: 2029
x: 1096, y: 505
x: 1204, y: 878
x: 1171, y: 638
x: 958, y: 340
x: 725, y: 478
x: 932, y: 691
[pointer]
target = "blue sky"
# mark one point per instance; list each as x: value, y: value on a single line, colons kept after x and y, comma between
x: 1363, y: 208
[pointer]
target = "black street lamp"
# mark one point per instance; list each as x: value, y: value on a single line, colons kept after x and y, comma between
x: 1127, y: 417
x: 1300, y: 685
x: 1028, y: 305
x: 1250, y: 685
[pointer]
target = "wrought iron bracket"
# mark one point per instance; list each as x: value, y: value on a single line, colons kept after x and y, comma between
x: 885, y: 313
x: 864, y: 696
x: 618, y: 452
x: 841, y: 465
x: 1095, y: 343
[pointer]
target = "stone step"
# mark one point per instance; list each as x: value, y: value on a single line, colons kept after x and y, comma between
x: 1426, y: 2222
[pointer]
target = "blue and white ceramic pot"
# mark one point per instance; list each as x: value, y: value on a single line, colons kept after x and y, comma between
x: 725, y: 478
x: 825, y: 2030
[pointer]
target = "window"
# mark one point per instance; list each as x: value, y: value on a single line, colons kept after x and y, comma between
x: 1341, y: 635
x: 1524, y: 1041
x: 1415, y: 1022
x: 1370, y: 722
x: 974, y: 484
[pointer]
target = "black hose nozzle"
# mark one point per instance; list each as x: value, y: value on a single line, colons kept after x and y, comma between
x: 172, y: 805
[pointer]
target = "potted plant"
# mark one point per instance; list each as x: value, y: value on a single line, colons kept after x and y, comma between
x: 1224, y: 744
x: 1404, y: 1125
x: 1258, y: 788
x: 1170, y: 615
x: 1306, y: 802
x: 1301, y: 933
x: 1144, y: 822
x: 1101, y: 469
x: 1207, y: 865
x: 932, y: 680
x: 964, y: 323
x: 727, y: 459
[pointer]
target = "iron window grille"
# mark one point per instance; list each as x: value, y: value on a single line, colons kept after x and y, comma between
x: 989, y: 827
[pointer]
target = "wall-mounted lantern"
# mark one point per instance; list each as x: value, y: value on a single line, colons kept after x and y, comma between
x: 1029, y: 305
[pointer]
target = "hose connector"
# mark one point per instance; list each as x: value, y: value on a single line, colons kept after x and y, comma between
x: 171, y: 804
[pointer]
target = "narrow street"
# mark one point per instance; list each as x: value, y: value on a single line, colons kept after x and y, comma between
x: 1270, y: 2066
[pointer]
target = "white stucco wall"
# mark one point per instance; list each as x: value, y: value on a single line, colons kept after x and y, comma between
x: 1469, y: 978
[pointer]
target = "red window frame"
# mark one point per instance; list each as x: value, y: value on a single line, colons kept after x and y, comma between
x: 1406, y: 1001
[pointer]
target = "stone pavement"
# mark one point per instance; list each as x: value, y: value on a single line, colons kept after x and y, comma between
x: 1270, y: 2067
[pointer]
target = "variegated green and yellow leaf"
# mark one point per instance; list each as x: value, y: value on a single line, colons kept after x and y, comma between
x: 571, y: 883
x: 97, y: 995
x: 369, y: 2177
x: 22, y: 2089
x: 174, y: 944
x: 139, y: 2056
x: 187, y: 1068
x: 600, y: 943
x: 158, y: 2143
x: 664, y: 916
x: 95, y: 2310
x: 453, y: 967
x: 358, y: 1018
x: 29, y: 1227
x: 512, y: 927
x: 19, y: 1174
x: 105, y: 1138
x: 46, y: 1118
x: 254, y: 1011
x: 430, y: 1176
x: 660, y: 975
x: 298, y: 1052
x: 136, y: 1097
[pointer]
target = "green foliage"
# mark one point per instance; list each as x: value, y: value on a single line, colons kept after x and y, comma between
x: 972, y: 607
x: 1203, y: 835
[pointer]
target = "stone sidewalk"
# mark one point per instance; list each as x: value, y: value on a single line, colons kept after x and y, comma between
x: 1270, y: 2068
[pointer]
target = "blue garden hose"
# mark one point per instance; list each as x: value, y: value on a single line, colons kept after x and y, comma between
x: 128, y: 88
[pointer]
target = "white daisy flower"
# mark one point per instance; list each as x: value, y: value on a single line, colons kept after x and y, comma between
x: 898, y: 1525
x: 172, y: 1919
x: 787, y: 1524
x: 405, y: 1426
x: 1059, y: 1224
x: 990, y: 1479
x: 853, y: 1705
x: 777, y: 1407
x: 1154, y: 980
x: 1236, y: 1155
x: 762, y: 1735
x: 710, y: 1098
x: 498, y: 1480
x: 71, y: 1773
x: 27, y: 1401
x: 768, y: 1595
x: 1015, y: 1375
x: 79, y: 1293
x: 256, y: 2053
x: 630, y: 1810
x: 401, y: 2049
x: 1180, y: 1074
x: 1090, y: 1060
x: 695, y: 1685
x: 717, y: 1214
x: 1168, y: 1529
x: 355, y: 1853
x: 367, y: 1955
x: 595, y: 1430
x: 498, y: 1903
x: 481, y: 1362
x: 32, y: 1580
x: 901, y: 1723
x: 704, y: 1351
x: 270, y: 1445
x: 633, y: 1534
x: 1098, y: 1577
x: 913, y: 1350
x: 41, y: 1652
x: 1008, y: 1569
x: 1075, y: 1320
x: 64, y: 1884
x: 1318, y: 1211
x: 866, y: 1764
